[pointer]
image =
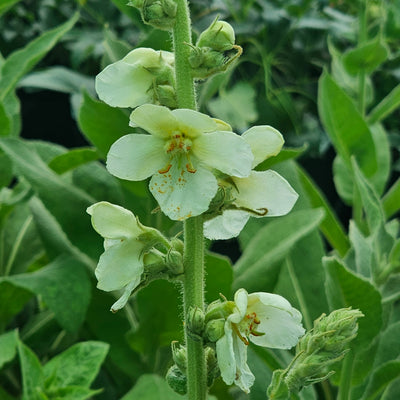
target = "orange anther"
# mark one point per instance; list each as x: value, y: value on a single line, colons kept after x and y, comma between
x: 165, y: 170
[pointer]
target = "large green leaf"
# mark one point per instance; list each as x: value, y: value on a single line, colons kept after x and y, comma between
x: 6, y: 4
x: 22, y: 61
x: 64, y: 287
x: 101, y: 124
x: 345, y: 126
x: 346, y: 289
x: 270, y: 246
x: 391, y: 200
x: 73, y: 159
x: 386, y: 106
x: 76, y: 366
x: 65, y: 202
x: 330, y: 225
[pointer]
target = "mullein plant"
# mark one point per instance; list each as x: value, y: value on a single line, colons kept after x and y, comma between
x: 202, y: 174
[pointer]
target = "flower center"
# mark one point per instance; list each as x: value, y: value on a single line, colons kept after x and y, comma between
x: 247, y: 326
x: 176, y: 146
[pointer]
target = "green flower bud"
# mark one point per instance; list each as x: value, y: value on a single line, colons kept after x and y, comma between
x: 215, y: 329
x: 213, y: 371
x: 165, y: 95
x: 176, y: 380
x: 219, y: 309
x: 174, y: 262
x: 219, y: 36
x: 316, y: 351
x: 179, y: 355
x: 278, y: 389
x: 177, y: 244
x: 195, y: 322
x: 158, y: 13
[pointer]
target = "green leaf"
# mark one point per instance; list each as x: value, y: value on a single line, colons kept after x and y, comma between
x: 5, y: 122
x: 236, y: 106
x: 73, y: 159
x: 345, y: 126
x: 370, y: 200
x: 60, y: 283
x: 19, y: 241
x: 285, y: 154
x: 10, y: 118
x: 330, y: 226
x: 381, y: 378
x: 5, y: 5
x: 391, y: 200
x: 389, y: 345
x: 32, y: 373
x: 385, y: 107
x: 219, y: 276
x: 65, y: 202
x: 346, y: 289
x: 8, y: 347
x: 151, y: 387
x: 59, y: 79
x: 159, y: 321
x: 73, y: 393
x: 76, y: 366
x: 366, y: 58
x: 101, y: 124
x: 5, y: 168
x: 22, y: 61
x: 115, y: 49
x: 270, y: 246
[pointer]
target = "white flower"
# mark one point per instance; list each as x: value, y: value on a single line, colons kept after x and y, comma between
x: 265, y: 319
x: 121, y: 264
x: 261, y: 194
x: 183, y: 148
x: 131, y: 81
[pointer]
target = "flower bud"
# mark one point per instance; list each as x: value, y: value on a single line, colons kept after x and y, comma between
x: 195, y: 322
x: 219, y: 36
x: 158, y: 13
x: 215, y: 329
x: 179, y: 355
x: 174, y: 262
x: 316, y: 351
x: 213, y: 371
x: 165, y: 95
x: 177, y: 380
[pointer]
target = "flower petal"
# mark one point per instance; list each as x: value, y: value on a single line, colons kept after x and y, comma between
x: 121, y: 302
x: 280, y: 322
x: 136, y: 157
x: 157, y: 120
x: 224, y: 151
x: 265, y: 190
x: 226, y: 356
x: 124, y: 85
x: 112, y: 221
x: 265, y: 141
x: 119, y: 265
x: 244, y: 377
x: 193, y: 122
x: 226, y: 226
x: 182, y: 194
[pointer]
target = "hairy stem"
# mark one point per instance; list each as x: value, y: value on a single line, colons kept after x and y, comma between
x: 193, y: 284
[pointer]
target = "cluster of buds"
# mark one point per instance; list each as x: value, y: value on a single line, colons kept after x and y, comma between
x: 158, y: 13
x: 176, y: 375
x: 316, y: 351
x: 215, y: 50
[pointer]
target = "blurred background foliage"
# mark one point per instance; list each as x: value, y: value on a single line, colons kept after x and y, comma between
x: 48, y: 249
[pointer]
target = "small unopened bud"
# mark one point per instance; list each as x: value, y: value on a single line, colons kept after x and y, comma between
x: 179, y: 355
x: 219, y: 36
x: 166, y: 96
x: 177, y: 380
x: 174, y: 262
x: 158, y: 13
x: 195, y: 321
x: 213, y: 371
x: 215, y: 329
x: 278, y: 389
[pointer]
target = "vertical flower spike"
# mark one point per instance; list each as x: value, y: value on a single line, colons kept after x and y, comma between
x: 265, y: 319
x: 261, y: 194
x: 142, y: 76
x: 121, y: 264
x: 180, y: 154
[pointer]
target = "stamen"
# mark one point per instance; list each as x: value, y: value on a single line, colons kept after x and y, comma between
x: 242, y: 338
x: 165, y: 169
x: 190, y: 168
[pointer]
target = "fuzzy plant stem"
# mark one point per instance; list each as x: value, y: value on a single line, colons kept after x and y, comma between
x: 193, y: 285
